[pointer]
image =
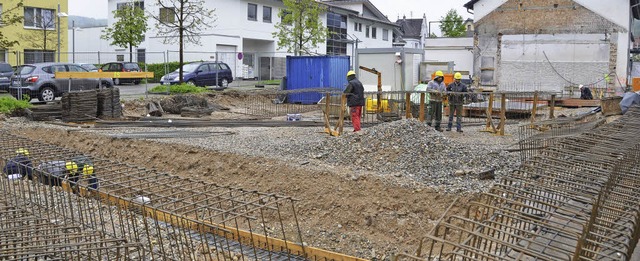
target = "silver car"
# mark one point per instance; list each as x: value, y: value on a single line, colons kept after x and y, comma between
x: 38, y: 81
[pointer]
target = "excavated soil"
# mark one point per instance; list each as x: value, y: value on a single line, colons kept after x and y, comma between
x: 361, y: 216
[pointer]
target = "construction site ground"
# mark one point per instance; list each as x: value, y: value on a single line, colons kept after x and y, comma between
x: 350, y: 208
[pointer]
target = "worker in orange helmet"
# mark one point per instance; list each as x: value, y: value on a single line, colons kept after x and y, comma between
x: 355, y: 99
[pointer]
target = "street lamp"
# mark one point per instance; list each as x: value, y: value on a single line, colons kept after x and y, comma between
x: 60, y: 14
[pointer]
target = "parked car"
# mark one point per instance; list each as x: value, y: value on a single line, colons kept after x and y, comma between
x: 90, y: 67
x: 5, y: 76
x: 122, y: 67
x: 201, y: 74
x: 37, y: 80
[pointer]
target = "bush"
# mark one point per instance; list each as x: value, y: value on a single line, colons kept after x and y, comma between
x: 269, y: 82
x: 10, y: 104
x: 178, y: 88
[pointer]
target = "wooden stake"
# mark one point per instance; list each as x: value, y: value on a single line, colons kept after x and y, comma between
x: 422, y: 96
x: 407, y: 106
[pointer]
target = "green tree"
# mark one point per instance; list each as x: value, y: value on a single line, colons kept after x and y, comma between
x: 128, y: 30
x: 184, y: 18
x: 300, y: 28
x: 452, y: 24
x: 9, y: 17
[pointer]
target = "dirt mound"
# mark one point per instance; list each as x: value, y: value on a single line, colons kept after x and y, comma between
x: 175, y: 103
x: 411, y: 148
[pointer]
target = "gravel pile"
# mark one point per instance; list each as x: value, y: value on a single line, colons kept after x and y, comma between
x: 409, y: 148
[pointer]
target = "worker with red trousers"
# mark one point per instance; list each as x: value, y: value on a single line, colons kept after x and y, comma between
x: 355, y: 99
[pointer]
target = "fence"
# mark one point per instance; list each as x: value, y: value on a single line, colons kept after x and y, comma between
x: 478, y: 109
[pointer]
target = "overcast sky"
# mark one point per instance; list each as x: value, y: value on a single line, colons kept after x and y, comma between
x: 435, y: 9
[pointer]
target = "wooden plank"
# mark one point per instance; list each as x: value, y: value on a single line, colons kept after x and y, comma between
x: 93, y: 75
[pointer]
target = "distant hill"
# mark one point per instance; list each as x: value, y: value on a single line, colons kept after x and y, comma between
x: 86, y: 22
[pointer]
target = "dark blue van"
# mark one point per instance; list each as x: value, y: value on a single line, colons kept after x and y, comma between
x: 201, y: 74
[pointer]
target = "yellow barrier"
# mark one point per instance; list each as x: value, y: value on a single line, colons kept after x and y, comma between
x: 372, y: 105
x: 93, y: 75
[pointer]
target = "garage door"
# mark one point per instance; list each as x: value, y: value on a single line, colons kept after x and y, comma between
x: 228, y: 54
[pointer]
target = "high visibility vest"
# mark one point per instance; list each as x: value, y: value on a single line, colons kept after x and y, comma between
x: 87, y: 170
x: 71, y: 167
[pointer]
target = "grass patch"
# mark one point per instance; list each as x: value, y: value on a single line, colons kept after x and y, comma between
x: 269, y: 82
x: 177, y: 89
x: 10, y: 104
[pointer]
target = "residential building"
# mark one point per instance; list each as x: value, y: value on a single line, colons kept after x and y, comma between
x: 468, y: 24
x: 413, y: 31
x: 37, y: 34
x: 550, y: 44
x: 242, y: 35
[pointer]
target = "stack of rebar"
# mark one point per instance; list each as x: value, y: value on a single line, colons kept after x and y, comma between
x: 79, y: 106
x: 109, y: 106
x: 577, y: 199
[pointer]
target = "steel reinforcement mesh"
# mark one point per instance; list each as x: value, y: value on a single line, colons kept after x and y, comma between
x: 576, y: 199
x: 125, y: 212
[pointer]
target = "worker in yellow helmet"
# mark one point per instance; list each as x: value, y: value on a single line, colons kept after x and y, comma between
x: 456, y: 91
x: 87, y: 173
x: 436, y: 88
x: 19, y: 166
x: 72, y: 175
x: 355, y: 99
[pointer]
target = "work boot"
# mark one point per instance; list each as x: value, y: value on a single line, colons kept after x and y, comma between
x: 448, y: 129
x: 459, y: 130
x: 439, y: 129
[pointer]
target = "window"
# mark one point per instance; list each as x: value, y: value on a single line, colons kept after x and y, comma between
x: 167, y: 15
x: 266, y: 14
x: 374, y: 32
x: 120, y: 58
x: 1, y: 16
x: 138, y: 4
x: 355, y: 27
x: 39, y: 18
x: 38, y: 56
x: 75, y: 68
x: 252, y: 12
x: 142, y: 55
x: 359, y: 27
x: 366, y: 32
x: 3, y: 56
x: 385, y: 35
x: 224, y: 66
x: 204, y: 68
x: 337, y: 27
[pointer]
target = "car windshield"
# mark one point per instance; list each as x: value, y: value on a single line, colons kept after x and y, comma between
x: 89, y: 67
x: 5, y: 67
x: 24, y: 69
x: 131, y: 66
x: 189, y: 67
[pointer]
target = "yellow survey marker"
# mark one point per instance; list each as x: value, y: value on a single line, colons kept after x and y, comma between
x: 91, y: 75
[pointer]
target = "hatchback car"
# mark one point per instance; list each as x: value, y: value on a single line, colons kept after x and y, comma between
x: 5, y: 76
x: 38, y: 81
x: 122, y: 67
x: 201, y: 74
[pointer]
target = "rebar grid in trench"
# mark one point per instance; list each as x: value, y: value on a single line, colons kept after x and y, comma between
x: 163, y: 216
x: 574, y: 200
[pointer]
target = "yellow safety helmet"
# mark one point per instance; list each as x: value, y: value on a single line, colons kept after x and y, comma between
x: 457, y: 76
x: 439, y: 74
x: 23, y: 151
x: 351, y: 73
x: 71, y: 166
x: 87, y: 170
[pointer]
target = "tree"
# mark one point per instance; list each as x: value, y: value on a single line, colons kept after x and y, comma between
x: 9, y: 17
x: 300, y: 28
x: 184, y: 18
x: 452, y: 25
x: 128, y: 30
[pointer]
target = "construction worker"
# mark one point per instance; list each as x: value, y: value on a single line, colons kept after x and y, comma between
x: 355, y: 99
x: 85, y: 166
x: 456, y: 100
x: 436, y: 88
x: 19, y: 166
x: 585, y: 93
x: 72, y: 175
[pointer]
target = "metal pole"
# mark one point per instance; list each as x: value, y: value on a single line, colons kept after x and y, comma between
x: 58, y: 15
x: 73, y: 37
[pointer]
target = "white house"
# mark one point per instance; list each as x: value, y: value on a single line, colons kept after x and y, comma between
x: 551, y: 44
x: 242, y: 35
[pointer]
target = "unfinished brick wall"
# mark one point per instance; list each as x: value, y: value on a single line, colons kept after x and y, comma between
x: 541, y: 17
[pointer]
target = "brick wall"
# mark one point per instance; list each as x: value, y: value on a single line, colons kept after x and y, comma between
x: 534, y: 17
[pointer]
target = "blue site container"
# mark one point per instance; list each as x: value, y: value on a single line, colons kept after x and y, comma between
x: 312, y: 72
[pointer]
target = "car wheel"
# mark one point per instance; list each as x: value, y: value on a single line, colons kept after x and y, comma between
x: 191, y: 82
x: 224, y: 83
x: 116, y: 81
x: 47, y: 94
x: 136, y: 82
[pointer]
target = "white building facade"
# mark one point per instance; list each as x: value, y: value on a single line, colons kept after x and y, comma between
x: 241, y: 35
